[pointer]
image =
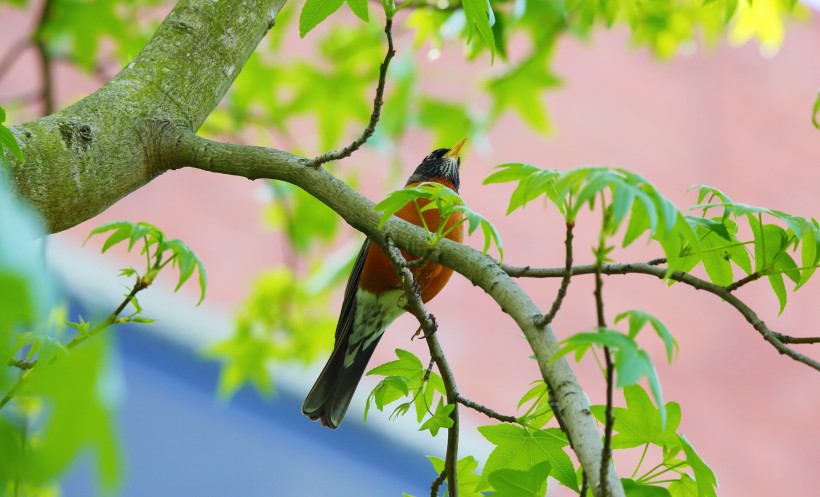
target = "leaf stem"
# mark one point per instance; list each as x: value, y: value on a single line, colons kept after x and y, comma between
x: 139, y: 285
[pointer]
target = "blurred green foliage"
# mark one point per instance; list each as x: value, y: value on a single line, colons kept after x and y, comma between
x: 287, y: 315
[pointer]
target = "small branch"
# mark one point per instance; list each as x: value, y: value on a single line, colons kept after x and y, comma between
x: 790, y: 339
x: 485, y: 410
x: 14, y: 52
x: 45, y: 60
x: 436, y: 486
x: 139, y: 285
x: 748, y: 279
x: 427, y: 321
x: 606, y: 453
x: 22, y: 364
x: 377, y: 107
x: 697, y: 283
x: 562, y: 291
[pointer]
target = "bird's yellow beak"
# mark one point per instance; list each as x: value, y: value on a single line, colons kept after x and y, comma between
x: 455, y: 150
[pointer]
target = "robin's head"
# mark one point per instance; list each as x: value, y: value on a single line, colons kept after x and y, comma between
x: 442, y: 163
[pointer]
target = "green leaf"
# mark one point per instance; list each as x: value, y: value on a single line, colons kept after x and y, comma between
x: 440, y: 419
x: 469, y: 483
x: 10, y: 142
x: 704, y: 477
x: 685, y: 487
x: 316, y: 11
x: 520, y: 483
x: 407, y: 365
x: 631, y: 363
x: 815, y: 111
x: 80, y: 402
x: 449, y: 121
x: 244, y: 357
x: 521, y: 89
x: 634, y: 489
x: 519, y: 448
x: 478, y: 14
x: 359, y: 7
x: 809, y: 255
x: 637, y: 320
x: 641, y: 422
x: 779, y: 288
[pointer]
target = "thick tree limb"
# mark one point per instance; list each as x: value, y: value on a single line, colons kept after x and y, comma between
x: 141, y: 124
x: 185, y: 149
x: 79, y: 161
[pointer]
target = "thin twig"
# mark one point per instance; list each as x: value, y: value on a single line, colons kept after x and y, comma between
x: 606, y: 453
x: 45, y: 60
x: 22, y: 364
x: 697, y: 283
x: 790, y: 339
x: 12, y: 54
x: 485, y: 410
x: 377, y: 107
x: 562, y: 290
x: 748, y: 279
x: 427, y: 321
x: 436, y: 486
x: 139, y: 285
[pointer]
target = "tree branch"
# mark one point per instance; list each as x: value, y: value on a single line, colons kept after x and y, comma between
x: 81, y: 160
x: 562, y: 290
x: 13, y: 53
x: 183, y: 149
x: 377, y: 107
x: 31, y: 367
x: 44, y: 59
x: 427, y: 321
x: 748, y: 279
x: 486, y: 410
x: 724, y: 293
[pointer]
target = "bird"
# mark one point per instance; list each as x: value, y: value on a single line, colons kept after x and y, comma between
x: 373, y: 296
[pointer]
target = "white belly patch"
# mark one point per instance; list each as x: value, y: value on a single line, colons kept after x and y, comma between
x: 374, y: 313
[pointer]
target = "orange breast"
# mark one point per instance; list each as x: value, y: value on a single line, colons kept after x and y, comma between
x: 378, y: 275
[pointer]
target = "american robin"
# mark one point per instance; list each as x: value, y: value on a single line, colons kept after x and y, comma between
x: 373, y: 296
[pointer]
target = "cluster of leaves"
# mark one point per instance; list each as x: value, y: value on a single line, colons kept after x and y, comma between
x: 407, y: 377
x: 283, y: 320
x: 641, y: 424
x: 272, y: 92
x: 159, y: 251
x: 287, y: 316
x: 62, y: 401
x: 450, y: 209
x: 687, y: 240
x: 713, y: 239
x: 80, y: 31
x: 632, y: 363
x: 529, y: 451
x: 62, y: 410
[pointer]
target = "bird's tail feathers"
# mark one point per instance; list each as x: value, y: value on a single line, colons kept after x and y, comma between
x: 330, y: 396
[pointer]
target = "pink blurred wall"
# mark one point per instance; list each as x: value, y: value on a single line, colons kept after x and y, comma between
x: 726, y: 117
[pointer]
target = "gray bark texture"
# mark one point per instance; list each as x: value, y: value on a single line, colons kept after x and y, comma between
x: 83, y: 159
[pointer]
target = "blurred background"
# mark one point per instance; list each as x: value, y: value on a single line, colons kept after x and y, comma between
x: 681, y: 107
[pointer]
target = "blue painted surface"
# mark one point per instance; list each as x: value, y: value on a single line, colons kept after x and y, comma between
x: 179, y: 441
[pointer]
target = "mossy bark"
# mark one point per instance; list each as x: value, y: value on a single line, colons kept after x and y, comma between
x: 81, y: 160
